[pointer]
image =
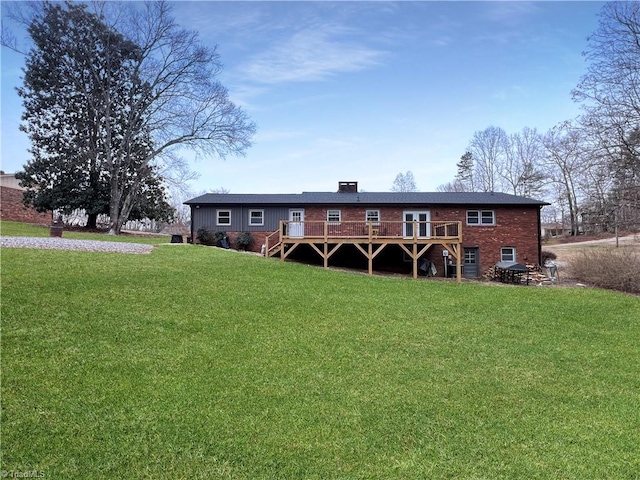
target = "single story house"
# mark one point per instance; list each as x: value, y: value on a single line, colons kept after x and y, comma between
x: 433, y: 233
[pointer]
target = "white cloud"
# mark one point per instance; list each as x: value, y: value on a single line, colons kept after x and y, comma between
x: 310, y: 55
x: 509, y: 12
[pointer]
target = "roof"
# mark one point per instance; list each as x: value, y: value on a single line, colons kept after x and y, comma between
x: 9, y: 180
x: 368, y: 198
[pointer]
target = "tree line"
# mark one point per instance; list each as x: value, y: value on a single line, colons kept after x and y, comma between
x: 587, y: 168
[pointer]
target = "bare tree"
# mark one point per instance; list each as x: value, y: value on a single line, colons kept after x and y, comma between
x: 455, y: 186
x: 404, y: 183
x: 183, y: 105
x: 488, y: 148
x: 610, y: 89
x: 609, y: 93
x: 565, y: 162
x: 522, y: 171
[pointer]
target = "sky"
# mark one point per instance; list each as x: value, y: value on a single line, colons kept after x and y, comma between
x: 362, y: 91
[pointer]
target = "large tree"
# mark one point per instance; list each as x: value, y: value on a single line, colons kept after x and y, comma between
x: 139, y: 89
x: 67, y: 124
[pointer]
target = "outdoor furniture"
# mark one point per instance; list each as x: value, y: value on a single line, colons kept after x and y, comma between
x: 511, y: 272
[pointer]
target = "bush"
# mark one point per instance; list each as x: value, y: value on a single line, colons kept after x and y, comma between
x: 218, y: 238
x: 208, y: 237
x: 205, y: 236
x: 611, y: 268
x: 547, y: 255
x: 244, y: 241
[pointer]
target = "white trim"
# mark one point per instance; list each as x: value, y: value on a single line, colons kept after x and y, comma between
x: 512, y: 255
x: 407, y: 229
x: 218, y: 212
x: 480, y: 215
x: 377, y: 214
x: 296, y: 226
x: 334, y: 210
x: 251, y: 223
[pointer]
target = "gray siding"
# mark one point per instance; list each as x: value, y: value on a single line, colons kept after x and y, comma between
x: 207, y: 217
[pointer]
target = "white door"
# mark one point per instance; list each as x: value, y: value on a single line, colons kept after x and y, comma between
x: 296, y: 222
x: 423, y: 225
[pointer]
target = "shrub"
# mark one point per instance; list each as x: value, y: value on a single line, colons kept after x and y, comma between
x: 208, y: 237
x: 218, y: 238
x: 244, y: 241
x: 205, y: 236
x: 547, y: 255
x: 611, y: 268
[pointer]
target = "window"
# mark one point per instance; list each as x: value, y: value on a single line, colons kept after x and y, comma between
x: 373, y: 216
x: 334, y: 216
x: 256, y: 217
x: 223, y: 217
x: 508, y: 254
x: 481, y: 217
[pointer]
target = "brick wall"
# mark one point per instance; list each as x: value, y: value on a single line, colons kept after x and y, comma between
x: 12, y: 208
x: 515, y: 227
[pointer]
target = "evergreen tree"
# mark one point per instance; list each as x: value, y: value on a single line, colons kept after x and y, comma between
x: 464, y: 176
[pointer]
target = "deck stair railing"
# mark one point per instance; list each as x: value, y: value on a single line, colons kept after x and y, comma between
x: 272, y: 243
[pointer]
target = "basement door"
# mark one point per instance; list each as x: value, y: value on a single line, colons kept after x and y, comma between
x: 471, y: 263
x: 296, y: 222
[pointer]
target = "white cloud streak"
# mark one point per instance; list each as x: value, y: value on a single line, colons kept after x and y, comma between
x: 310, y: 55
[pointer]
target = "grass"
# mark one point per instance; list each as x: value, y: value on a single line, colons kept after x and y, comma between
x: 195, y: 362
x: 19, y: 229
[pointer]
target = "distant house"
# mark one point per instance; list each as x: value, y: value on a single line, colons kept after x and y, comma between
x: 11, y: 206
x: 451, y: 234
x: 550, y: 230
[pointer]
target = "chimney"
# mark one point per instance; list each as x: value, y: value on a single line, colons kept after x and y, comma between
x: 347, y: 187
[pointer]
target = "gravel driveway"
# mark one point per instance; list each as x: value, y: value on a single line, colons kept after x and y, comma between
x: 57, y: 243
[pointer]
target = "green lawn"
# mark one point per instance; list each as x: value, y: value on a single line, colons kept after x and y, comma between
x: 18, y: 229
x: 195, y: 362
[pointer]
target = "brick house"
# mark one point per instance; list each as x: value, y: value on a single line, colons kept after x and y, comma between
x: 11, y: 206
x: 454, y: 233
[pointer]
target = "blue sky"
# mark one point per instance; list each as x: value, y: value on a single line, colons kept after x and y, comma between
x: 362, y: 91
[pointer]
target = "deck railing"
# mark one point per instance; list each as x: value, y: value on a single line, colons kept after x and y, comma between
x: 370, y: 230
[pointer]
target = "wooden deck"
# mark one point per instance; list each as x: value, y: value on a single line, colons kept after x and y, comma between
x: 370, y: 238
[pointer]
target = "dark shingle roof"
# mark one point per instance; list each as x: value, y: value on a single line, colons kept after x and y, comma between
x: 368, y: 198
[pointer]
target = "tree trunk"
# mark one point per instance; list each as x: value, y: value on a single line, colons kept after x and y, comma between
x: 92, y: 221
